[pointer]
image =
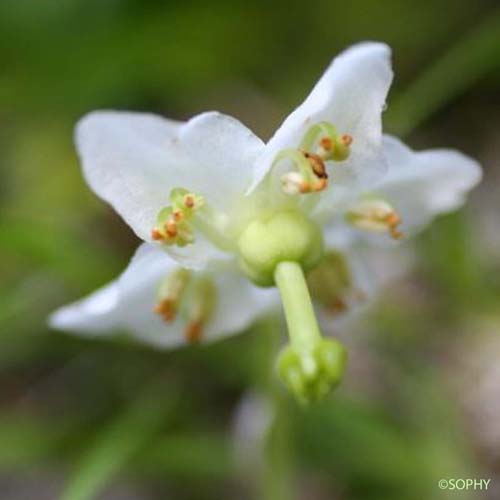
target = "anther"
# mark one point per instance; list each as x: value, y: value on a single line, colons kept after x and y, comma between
x: 193, y: 332
x: 320, y: 143
x: 294, y: 183
x: 167, y: 309
x: 317, y: 164
x: 346, y: 140
x: 170, y: 293
x: 174, y: 225
x: 200, y: 304
x: 178, y: 215
x: 393, y: 221
x: 156, y: 235
x: 375, y: 215
x: 326, y: 143
x: 189, y: 201
x: 171, y: 228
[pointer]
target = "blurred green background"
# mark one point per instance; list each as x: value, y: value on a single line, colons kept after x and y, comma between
x: 83, y: 419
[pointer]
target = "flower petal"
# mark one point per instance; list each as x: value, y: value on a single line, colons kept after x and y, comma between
x: 239, y: 303
x: 131, y: 161
x: 127, y: 304
x: 134, y: 160
x: 421, y: 185
x: 224, y: 152
x: 351, y: 95
x: 371, y: 268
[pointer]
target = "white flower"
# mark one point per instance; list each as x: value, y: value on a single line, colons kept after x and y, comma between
x: 127, y: 304
x: 219, y: 201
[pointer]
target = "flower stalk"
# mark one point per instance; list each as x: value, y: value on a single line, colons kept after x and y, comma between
x: 310, y: 365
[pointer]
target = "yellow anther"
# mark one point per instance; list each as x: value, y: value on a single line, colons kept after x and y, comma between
x: 320, y: 185
x: 317, y: 164
x: 156, y: 234
x: 294, y: 183
x: 326, y: 143
x: 199, y: 307
x: 170, y: 293
x: 178, y: 215
x: 194, y: 332
x: 189, y: 201
x: 393, y: 221
x: 346, y: 139
x: 375, y: 215
x: 173, y: 224
x: 320, y: 143
x: 167, y: 309
x: 171, y: 227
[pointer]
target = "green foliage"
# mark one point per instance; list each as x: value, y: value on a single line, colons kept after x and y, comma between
x: 99, y: 410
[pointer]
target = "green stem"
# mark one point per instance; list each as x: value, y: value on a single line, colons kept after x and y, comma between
x: 474, y: 56
x: 300, y: 317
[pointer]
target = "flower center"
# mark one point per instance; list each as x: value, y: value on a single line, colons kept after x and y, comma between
x: 320, y: 144
x: 281, y: 236
x: 191, y: 296
x: 174, y: 223
x: 376, y: 215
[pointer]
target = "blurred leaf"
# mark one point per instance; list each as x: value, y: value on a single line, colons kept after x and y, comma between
x: 458, y: 69
x: 26, y: 440
x: 118, y: 442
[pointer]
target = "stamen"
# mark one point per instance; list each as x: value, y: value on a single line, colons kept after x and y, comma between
x: 194, y: 332
x: 174, y: 222
x: 375, y: 215
x: 294, y: 183
x: 156, y: 234
x: 200, y: 305
x: 171, y: 228
x: 317, y: 164
x: 326, y: 143
x: 189, y: 201
x: 170, y: 293
x: 393, y: 221
x: 331, y: 283
x: 167, y: 309
x: 346, y: 140
x: 192, y: 295
x: 320, y: 143
x: 177, y: 222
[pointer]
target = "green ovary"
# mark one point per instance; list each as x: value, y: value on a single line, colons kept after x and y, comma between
x: 283, y: 236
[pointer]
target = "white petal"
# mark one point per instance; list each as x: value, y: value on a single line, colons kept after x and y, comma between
x: 127, y: 304
x: 372, y: 269
x: 134, y: 160
x: 239, y: 303
x: 130, y: 160
x: 224, y: 151
x: 350, y: 95
x: 421, y: 185
x: 90, y: 315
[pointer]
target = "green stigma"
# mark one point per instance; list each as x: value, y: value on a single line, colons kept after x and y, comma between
x: 310, y: 366
x: 276, y: 251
